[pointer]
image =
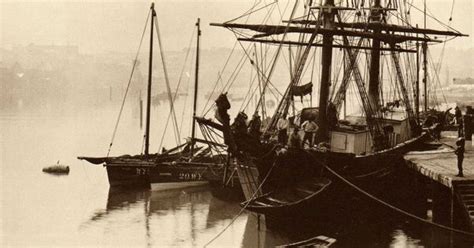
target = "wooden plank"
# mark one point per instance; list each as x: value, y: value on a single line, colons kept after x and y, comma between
x: 441, y: 165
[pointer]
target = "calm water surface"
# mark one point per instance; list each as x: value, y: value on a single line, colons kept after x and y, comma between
x: 39, y: 209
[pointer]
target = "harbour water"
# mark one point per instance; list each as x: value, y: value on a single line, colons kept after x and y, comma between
x: 79, y: 209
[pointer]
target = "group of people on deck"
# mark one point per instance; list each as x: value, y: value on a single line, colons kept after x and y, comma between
x: 294, y: 140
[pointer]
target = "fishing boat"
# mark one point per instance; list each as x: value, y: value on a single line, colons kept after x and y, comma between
x: 357, y: 41
x: 187, y: 165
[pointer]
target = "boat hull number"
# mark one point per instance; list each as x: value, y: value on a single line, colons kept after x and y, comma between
x: 142, y: 171
x: 190, y: 176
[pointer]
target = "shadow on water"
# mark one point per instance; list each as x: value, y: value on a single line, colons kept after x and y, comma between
x: 369, y: 226
x: 366, y: 224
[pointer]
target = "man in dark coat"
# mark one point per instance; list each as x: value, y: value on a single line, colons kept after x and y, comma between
x: 460, y: 154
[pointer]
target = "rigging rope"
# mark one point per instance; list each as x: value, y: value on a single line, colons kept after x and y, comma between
x: 219, y: 79
x: 437, y: 20
x: 205, y: 112
x: 176, y: 92
x: 135, y: 61
x: 168, y: 88
x: 243, y: 208
x: 251, y: 11
x: 391, y: 206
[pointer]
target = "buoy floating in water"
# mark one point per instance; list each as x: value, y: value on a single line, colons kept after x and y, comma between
x: 57, y: 169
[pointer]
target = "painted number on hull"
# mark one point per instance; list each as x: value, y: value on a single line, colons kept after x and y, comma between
x: 190, y: 176
x: 142, y: 171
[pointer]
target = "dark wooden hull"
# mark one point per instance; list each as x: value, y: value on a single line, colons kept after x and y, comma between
x: 160, y: 176
x: 168, y: 170
x: 291, y: 200
x: 377, y: 174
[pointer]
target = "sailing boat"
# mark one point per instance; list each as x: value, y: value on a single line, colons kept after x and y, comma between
x: 288, y: 180
x: 186, y: 165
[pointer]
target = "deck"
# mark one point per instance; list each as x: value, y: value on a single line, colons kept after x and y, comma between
x: 441, y: 164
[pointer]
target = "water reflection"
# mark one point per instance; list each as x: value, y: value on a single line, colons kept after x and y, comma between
x: 192, y: 217
x: 178, y: 217
x: 80, y: 209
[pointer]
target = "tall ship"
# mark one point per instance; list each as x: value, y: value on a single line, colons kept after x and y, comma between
x: 363, y: 57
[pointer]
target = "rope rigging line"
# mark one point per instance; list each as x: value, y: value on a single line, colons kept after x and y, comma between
x: 268, y: 17
x: 436, y: 72
x: 277, y: 53
x: 452, y: 10
x: 244, y: 207
x: 168, y: 88
x: 260, y: 73
x: 391, y: 206
x: 250, y: 96
x: 219, y: 79
x: 204, y: 111
x: 434, y: 18
x: 176, y: 92
x: 135, y: 61
x: 187, y: 88
x: 235, y: 73
x: 251, y: 11
x: 228, y: 58
x: 190, y: 120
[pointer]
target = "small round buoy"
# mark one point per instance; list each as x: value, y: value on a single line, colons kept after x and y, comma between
x: 57, y: 169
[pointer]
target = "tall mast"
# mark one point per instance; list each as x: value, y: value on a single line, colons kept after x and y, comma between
x: 425, y: 63
x: 148, y: 99
x: 374, y: 74
x: 326, y: 60
x: 196, y: 77
x: 417, y: 83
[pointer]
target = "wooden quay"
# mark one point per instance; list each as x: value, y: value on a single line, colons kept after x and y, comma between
x: 451, y: 197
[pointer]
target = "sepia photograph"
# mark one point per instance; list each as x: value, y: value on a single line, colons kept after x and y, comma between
x: 237, y: 123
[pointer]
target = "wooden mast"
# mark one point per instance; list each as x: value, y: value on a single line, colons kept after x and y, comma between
x: 424, y: 47
x: 326, y: 61
x: 150, y: 66
x: 417, y: 83
x: 374, y: 74
x: 196, y: 77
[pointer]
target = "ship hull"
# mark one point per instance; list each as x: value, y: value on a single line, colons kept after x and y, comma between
x: 160, y: 176
x: 375, y: 174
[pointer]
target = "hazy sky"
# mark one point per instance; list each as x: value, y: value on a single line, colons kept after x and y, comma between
x: 107, y: 25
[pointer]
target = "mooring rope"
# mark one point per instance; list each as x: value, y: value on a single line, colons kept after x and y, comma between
x: 391, y: 206
x: 243, y: 208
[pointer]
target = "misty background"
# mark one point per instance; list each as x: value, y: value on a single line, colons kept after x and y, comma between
x: 80, y: 53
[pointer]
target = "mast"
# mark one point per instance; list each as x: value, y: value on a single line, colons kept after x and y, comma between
x: 326, y: 61
x: 374, y: 74
x: 425, y: 63
x: 150, y: 66
x: 417, y: 83
x: 196, y: 77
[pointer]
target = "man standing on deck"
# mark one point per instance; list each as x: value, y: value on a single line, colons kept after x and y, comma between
x: 457, y: 115
x: 458, y: 120
x: 295, y: 140
x: 460, y: 153
x: 254, y: 126
x: 310, y: 127
x: 282, y: 126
